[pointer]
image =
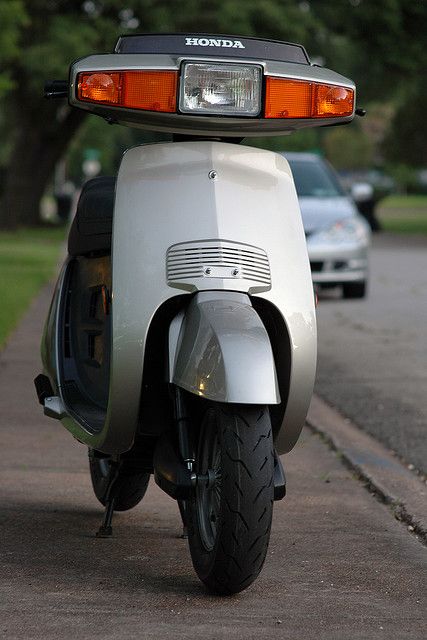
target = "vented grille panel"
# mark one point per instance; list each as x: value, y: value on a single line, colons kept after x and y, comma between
x: 217, y: 259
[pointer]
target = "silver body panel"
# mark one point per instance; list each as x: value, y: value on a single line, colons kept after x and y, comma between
x: 165, y: 197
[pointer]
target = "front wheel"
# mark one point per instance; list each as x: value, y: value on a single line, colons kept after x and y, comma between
x: 231, y: 510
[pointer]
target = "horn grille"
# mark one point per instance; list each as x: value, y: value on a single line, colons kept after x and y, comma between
x: 217, y: 259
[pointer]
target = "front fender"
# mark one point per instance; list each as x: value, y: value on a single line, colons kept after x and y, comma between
x: 219, y: 349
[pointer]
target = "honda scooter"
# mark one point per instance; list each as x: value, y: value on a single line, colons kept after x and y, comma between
x: 181, y: 338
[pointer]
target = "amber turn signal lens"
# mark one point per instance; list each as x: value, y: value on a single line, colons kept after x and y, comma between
x: 99, y: 87
x: 286, y: 98
x: 147, y: 90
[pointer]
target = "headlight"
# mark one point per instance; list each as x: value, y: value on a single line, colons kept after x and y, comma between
x: 220, y: 89
x: 347, y: 230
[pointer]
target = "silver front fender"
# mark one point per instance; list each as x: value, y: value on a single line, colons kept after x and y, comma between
x: 219, y: 350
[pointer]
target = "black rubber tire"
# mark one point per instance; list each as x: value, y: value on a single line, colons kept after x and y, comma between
x: 229, y: 528
x: 354, y: 289
x: 132, y: 487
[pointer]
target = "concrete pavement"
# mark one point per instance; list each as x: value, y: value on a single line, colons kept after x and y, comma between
x: 339, y: 566
x: 380, y: 470
x: 373, y: 353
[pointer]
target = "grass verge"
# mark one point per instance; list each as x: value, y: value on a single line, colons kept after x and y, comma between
x: 405, y: 202
x: 28, y: 258
x: 404, y: 214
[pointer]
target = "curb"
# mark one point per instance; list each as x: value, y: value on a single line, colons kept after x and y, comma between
x: 382, y: 472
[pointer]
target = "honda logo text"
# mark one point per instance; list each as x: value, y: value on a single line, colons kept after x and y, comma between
x: 214, y: 42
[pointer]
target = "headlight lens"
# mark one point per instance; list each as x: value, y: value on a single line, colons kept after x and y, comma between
x: 221, y: 89
x: 347, y: 230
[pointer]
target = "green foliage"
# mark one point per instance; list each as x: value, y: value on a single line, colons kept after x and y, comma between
x: 382, y: 42
x: 308, y: 140
x: 12, y: 19
x: 409, y: 124
x: 348, y: 147
x: 110, y: 141
x: 55, y: 32
x: 285, y: 20
x: 405, y: 177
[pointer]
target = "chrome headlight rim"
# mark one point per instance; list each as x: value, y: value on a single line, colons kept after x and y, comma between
x: 221, y: 111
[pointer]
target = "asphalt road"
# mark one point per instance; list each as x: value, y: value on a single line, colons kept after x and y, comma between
x: 373, y: 353
x: 339, y: 565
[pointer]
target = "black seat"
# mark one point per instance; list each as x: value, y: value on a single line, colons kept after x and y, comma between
x: 92, y: 225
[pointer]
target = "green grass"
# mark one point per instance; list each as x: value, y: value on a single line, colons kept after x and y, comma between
x: 405, y: 202
x: 404, y: 214
x: 28, y: 258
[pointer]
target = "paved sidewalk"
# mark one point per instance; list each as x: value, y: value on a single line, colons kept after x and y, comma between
x: 339, y: 565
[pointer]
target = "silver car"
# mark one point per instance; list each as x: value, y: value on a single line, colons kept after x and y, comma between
x: 338, y: 237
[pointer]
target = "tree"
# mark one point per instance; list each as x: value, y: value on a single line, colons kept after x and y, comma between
x: 380, y: 44
x: 409, y: 124
x: 12, y: 19
x: 46, y: 37
x: 51, y: 33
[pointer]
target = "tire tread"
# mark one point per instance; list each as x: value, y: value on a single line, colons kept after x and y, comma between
x: 247, y: 501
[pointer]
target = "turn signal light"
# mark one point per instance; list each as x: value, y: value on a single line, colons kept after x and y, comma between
x: 285, y: 98
x: 147, y: 90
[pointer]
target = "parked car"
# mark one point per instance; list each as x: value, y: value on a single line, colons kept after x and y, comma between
x: 338, y: 237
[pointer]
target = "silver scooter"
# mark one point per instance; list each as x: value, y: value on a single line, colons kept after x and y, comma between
x: 181, y: 338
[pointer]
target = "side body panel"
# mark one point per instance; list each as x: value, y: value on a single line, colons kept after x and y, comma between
x: 49, y: 343
x: 198, y: 192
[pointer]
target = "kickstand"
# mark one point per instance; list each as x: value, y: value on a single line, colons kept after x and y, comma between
x: 182, y: 504
x: 106, y: 528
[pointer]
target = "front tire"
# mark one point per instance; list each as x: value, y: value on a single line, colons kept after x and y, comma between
x: 230, y: 514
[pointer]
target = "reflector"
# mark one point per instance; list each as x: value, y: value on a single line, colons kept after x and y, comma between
x: 285, y: 98
x: 333, y: 100
x: 146, y: 90
x: 99, y: 87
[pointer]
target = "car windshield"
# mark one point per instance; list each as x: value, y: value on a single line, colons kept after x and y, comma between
x: 315, y: 180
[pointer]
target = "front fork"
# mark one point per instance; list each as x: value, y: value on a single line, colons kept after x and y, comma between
x: 183, y: 428
x: 186, y: 446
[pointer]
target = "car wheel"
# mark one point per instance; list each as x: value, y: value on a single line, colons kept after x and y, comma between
x: 354, y: 289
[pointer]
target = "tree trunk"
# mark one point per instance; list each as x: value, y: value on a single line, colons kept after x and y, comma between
x: 36, y: 151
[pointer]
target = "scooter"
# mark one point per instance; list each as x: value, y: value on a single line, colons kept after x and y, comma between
x: 181, y: 338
